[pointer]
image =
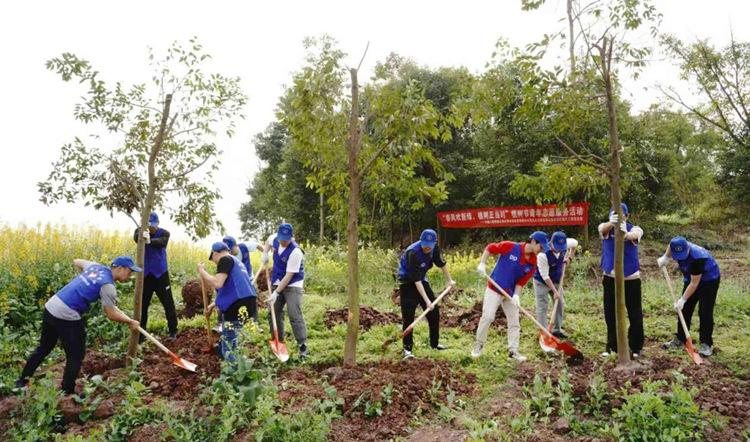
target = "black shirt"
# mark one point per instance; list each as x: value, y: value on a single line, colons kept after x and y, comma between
x: 697, y: 266
x: 412, y: 264
x: 226, y: 264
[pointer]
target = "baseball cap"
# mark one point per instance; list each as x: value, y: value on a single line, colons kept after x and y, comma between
x: 126, y: 261
x: 218, y: 247
x: 679, y: 248
x: 541, y: 238
x: 428, y: 238
x: 153, y: 219
x: 230, y: 242
x: 624, y: 209
x: 560, y: 241
x: 285, y: 232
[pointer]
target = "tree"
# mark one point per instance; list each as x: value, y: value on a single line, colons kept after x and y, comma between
x: 381, y: 127
x: 159, y: 151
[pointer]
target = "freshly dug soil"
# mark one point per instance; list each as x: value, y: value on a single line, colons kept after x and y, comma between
x: 262, y: 284
x: 453, y: 315
x: 368, y: 317
x: 418, y: 384
x: 99, y: 363
x: 192, y: 298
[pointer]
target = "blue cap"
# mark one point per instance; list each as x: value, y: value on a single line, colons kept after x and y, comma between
x: 285, y: 232
x: 624, y: 210
x: 428, y: 238
x: 230, y: 242
x: 126, y: 261
x: 153, y: 219
x: 218, y: 246
x: 541, y: 238
x: 560, y: 241
x: 679, y: 248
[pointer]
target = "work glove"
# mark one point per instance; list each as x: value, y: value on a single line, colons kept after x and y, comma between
x: 614, y: 219
x: 624, y: 227
x: 516, y: 300
x: 452, y: 283
x: 663, y: 261
x: 482, y: 270
x: 147, y: 236
x: 679, y: 304
x: 272, y: 298
x: 264, y: 258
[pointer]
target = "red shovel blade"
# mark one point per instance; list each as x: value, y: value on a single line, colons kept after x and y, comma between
x: 279, y: 348
x: 546, y: 343
x: 691, y: 351
x: 182, y: 363
x: 564, y: 347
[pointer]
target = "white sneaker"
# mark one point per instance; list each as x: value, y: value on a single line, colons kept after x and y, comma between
x: 408, y: 355
x: 635, y: 355
x: 477, y: 352
x: 516, y: 355
x: 604, y: 355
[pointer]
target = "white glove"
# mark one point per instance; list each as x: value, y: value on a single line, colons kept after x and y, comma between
x: 147, y: 236
x: 624, y: 227
x: 663, y: 261
x: 614, y: 219
x: 272, y: 298
x: 482, y: 270
x: 516, y: 300
x: 264, y: 258
x: 679, y: 304
x: 452, y: 283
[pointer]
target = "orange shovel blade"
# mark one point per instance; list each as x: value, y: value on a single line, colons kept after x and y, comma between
x: 691, y: 351
x: 182, y: 363
x: 279, y: 348
x: 546, y: 343
x: 564, y: 347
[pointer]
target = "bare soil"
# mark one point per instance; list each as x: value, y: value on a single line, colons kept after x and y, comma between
x: 192, y: 298
x: 368, y: 317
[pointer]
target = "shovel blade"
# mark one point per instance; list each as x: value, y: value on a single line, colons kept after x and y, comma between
x: 693, y: 354
x: 279, y: 349
x: 546, y: 343
x: 184, y: 364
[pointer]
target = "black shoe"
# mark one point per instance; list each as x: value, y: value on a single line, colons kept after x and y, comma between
x: 440, y: 347
x: 560, y: 335
x: 172, y: 336
x: 303, y: 351
x: 21, y: 385
x: 674, y: 343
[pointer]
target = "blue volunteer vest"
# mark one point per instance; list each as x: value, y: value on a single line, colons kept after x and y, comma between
x: 631, y: 264
x: 425, y: 262
x: 508, y: 270
x: 245, y: 253
x: 155, y: 261
x: 237, y: 286
x: 82, y: 290
x: 710, y: 268
x: 555, y: 267
x: 279, y: 262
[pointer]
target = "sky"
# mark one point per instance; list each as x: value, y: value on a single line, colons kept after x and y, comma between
x: 261, y: 42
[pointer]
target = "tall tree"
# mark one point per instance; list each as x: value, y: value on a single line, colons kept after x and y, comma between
x: 159, y: 151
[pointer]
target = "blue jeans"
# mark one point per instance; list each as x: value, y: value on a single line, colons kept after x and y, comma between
x: 228, y: 341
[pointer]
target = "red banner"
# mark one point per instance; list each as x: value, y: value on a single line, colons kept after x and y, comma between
x: 574, y: 214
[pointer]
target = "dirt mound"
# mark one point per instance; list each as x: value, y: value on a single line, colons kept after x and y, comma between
x: 148, y: 433
x: 192, y: 298
x: 262, y: 283
x: 380, y: 400
x: 98, y: 363
x: 454, y: 315
x: 368, y: 317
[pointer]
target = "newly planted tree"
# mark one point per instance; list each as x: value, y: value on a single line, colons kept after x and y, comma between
x: 158, y: 150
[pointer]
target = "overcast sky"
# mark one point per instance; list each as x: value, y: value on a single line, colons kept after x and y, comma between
x: 262, y: 43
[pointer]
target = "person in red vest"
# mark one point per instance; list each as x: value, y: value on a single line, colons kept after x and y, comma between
x: 516, y: 264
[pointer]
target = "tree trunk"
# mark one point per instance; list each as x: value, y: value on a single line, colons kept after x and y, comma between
x: 571, y: 37
x: 145, y: 212
x: 321, y: 237
x: 352, y: 328
x: 623, y: 350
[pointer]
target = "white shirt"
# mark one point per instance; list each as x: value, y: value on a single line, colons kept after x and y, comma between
x: 293, y: 264
x: 543, y: 264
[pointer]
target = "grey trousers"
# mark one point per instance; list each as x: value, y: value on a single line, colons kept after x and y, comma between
x: 544, y: 301
x: 291, y: 296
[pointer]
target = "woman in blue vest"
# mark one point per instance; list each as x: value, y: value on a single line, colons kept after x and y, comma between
x: 287, y: 279
x: 701, y: 277
x: 156, y: 274
x: 516, y: 264
x: 235, y: 296
x: 633, y: 300
x: 549, y: 267
x: 415, y: 288
x: 242, y: 252
x: 63, y: 316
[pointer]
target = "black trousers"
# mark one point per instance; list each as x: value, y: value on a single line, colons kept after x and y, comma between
x: 163, y: 291
x: 705, y: 294
x: 410, y: 298
x: 633, y: 304
x: 72, y: 334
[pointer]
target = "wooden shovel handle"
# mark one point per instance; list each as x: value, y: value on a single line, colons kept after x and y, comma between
x: 674, y: 299
x: 411, y: 327
x: 523, y: 310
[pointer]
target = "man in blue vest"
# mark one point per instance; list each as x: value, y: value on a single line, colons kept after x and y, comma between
x: 156, y: 274
x: 516, y: 264
x: 415, y: 288
x: 287, y: 281
x: 63, y: 316
x: 549, y: 266
x: 633, y: 300
x: 235, y: 296
x: 242, y: 252
x: 701, y: 277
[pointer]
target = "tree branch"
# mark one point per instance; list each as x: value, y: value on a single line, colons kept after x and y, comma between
x: 127, y: 180
x: 364, y: 125
x: 575, y: 154
x: 363, y: 56
x: 182, y: 174
x: 373, y: 158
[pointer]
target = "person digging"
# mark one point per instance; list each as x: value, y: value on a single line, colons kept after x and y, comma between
x: 415, y: 288
x: 63, y: 320
x: 287, y: 280
x: 515, y: 265
x: 236, y: 299
x: 241, y: 251
x: 549, y: 269
x: 701, y: 278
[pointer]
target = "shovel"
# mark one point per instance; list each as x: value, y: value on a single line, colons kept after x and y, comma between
x: 689, y: 341
x: 424, y: 314
x: 278, y: 347
x: 564, y: 347
x: 544, y: 342
x: 208, y: 319
x: 176, y: 360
